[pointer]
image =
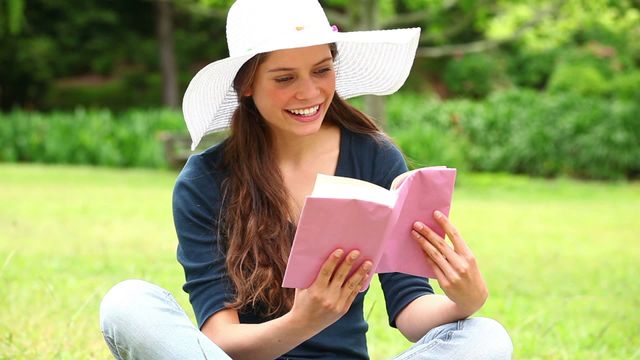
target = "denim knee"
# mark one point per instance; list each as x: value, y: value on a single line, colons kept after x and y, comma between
x: 123, y: 307
x: 140, y: 320
x: 491, y: 339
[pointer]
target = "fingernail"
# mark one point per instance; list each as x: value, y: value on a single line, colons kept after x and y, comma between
x: 367, y: 266
x: 437, y: 214
x: 418, y: 225
x: 355, y: 254
x: 415, y: 234
x: 338, y: 253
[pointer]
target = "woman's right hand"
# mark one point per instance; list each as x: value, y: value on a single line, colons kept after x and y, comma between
x: 331, y: 294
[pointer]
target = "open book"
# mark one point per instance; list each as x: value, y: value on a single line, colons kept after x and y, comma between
x: 354, y: 214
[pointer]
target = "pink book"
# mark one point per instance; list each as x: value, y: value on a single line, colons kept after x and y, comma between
x: 354, y: 214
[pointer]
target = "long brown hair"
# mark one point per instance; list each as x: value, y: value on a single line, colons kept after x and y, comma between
x: 256, y: 213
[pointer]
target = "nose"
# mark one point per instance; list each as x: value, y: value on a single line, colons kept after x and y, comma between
x: 307, y: 88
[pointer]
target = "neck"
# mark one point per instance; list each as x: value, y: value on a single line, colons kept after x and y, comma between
x: 298, y: 150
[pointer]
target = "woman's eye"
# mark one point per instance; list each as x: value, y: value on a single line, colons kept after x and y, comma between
x: 283, y: 79
x: 323, y: 70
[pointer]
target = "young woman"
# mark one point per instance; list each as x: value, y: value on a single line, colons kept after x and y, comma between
x: 236, y: 206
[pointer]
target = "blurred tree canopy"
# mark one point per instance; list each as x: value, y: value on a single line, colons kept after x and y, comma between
x: 81, y: 51
x: 108, y: 53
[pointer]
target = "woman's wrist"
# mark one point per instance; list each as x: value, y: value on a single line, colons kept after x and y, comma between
x: 299, y: 325
x: 466, y: 309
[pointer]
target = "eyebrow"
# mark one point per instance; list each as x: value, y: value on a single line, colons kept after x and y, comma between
x: 291, y: 69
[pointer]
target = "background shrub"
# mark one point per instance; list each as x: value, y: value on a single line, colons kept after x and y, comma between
x: 523, y: 132
x: 580, y: 79
x: 473, y: 76
x: 532, y: 69
x: 626, y: 87
x: 516, y: 131
x: 427, y: 134
x: 95, y: 137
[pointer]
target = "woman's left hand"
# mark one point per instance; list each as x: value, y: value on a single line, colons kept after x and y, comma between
x: 455, y: 266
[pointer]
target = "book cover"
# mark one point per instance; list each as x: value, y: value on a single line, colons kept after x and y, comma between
x: 354, y: 214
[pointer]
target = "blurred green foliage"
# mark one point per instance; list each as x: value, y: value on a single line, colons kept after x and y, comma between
x: 12, y: 13
x: 473, y: 76
x: 81, y: 40
x: 587, y: 48
x: 582, y: 57
x: 518, y: 131
x: 45, y: 44
x: 96, y: 137
x: 521, y: 131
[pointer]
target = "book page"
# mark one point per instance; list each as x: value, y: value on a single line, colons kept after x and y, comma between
x: 420, y: 194
x: 397, y: 182
x: 339, y: 187
x: 328, y: 224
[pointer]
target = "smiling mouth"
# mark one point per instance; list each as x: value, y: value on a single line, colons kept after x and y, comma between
x: 305, y: 112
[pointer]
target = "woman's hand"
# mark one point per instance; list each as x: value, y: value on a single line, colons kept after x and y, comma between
x: 455, y: 266
x: 331, y: 294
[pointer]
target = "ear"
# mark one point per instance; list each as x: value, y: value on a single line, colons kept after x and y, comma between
x: 248, y: 92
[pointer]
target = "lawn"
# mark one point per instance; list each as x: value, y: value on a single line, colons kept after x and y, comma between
x: 560, y: 257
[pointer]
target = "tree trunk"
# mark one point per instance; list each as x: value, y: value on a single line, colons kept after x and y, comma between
x: 375, y: 107
x: 164, y: 22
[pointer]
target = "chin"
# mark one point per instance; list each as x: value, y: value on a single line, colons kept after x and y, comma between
x: 309, y: 129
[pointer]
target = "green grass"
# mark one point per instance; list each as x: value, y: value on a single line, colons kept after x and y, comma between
x: 560, y: 257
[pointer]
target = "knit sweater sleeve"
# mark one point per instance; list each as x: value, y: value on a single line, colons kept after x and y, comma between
x: 196, y: 209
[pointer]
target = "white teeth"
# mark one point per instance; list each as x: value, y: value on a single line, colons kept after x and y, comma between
x: 305, y: 112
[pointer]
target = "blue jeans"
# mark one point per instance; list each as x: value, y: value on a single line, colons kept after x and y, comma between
x: 140, y: 320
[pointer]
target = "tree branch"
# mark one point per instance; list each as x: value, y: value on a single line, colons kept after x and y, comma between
x: 448, y: 4
x: 460, y: 49
x: 401, y: 20
x: 484, y: 45
x: 457, y: 28
x: 452, y: 31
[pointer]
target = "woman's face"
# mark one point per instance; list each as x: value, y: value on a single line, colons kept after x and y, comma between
x: 293, y: 88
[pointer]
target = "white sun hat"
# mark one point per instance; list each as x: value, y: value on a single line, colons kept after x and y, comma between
x: 368, y: 62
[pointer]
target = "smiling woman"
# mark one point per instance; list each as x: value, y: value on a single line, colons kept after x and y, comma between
x: 292, y: 89
x: 236, y: 206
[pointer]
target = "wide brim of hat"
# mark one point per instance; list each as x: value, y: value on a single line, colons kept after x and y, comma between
x: 374, y: 62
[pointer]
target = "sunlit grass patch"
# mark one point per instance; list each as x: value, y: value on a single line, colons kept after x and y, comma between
x: 560, y: 258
